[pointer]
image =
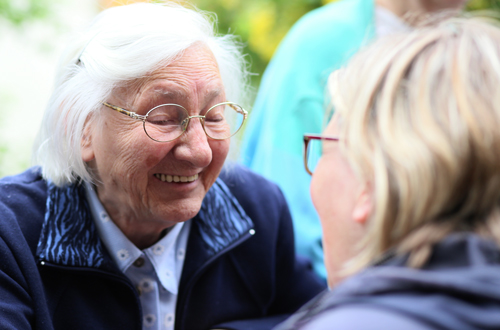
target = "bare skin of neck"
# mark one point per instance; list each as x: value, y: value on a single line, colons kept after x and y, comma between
x: 401, y: 8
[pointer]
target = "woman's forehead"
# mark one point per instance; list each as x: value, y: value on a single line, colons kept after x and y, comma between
x: 170, y: 90
x: 204, y: 82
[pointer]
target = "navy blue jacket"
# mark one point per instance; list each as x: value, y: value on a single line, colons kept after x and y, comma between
x: 458, y: 289
x: 240, y: 263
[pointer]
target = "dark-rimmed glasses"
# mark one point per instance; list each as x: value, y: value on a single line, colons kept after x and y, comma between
x: 167, y: 122
x: 313, y: 150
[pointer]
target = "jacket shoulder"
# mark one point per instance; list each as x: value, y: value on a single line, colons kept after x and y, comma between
x: 327, y: 25
x: 335, y: 13
x: 27, y: 183
x: 22, y: 205
x: 251, y: 188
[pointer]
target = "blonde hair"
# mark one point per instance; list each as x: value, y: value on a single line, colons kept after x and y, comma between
x: 421, y: 125
x: 121, y: 45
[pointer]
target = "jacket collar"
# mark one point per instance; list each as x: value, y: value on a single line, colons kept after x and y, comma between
x: 221, y: 220
x: 69, y: 236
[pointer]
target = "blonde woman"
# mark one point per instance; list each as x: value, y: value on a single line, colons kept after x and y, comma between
x: 408, y: 185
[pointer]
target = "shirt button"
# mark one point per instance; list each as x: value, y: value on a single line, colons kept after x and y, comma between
x: 122, y: 254
x: 146, y: 285
x: 158, y: 250
x: 168, y: 273
x: 149, y: 320
x: 181, y: 254
x: 169, y: 320
x: 139, y: 262
x: 104, y: 217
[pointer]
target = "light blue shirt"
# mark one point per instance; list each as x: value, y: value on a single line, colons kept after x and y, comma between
x: 155, y: 271
x: 291, y: 102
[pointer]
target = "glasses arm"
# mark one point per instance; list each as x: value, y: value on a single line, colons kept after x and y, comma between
x: 124, y: 111
x: 238, y: 109
x: 307, y: 139
x: 306, y: 144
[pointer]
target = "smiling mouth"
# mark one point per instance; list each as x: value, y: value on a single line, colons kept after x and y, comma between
x: 176, y: 178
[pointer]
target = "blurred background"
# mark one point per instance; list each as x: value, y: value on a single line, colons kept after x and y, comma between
x: 33, y: 33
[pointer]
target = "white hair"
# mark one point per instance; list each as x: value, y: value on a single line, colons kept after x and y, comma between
x: 123, y: 44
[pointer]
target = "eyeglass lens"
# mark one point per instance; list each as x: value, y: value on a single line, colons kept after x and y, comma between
x: 168, y: 122
x: 314, y: 153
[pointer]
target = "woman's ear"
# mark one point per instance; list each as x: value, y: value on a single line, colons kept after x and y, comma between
x: 364, y: 205
x: 86, y: 147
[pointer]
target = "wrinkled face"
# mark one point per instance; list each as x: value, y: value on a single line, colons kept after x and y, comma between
x: 336, y: 193
x: 129, y: 165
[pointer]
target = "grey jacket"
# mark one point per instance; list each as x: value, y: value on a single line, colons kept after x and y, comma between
x: 459, y: 288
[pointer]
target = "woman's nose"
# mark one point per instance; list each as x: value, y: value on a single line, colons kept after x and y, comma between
x: 193, y: 145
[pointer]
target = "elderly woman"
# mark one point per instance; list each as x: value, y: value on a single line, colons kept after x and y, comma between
x: 129, y: 223
x: 410, y: 175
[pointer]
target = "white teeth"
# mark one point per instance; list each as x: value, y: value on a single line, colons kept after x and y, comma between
x: 176, y: 178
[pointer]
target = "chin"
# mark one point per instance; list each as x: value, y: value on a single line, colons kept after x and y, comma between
x: 180, y: 211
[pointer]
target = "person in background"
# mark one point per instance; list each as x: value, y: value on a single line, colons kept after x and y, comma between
x: 408, y: 185
x: 132, y: 221
x: 290, y: 100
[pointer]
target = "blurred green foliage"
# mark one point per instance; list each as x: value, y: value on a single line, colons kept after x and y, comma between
x: 262, y: 24
x: 483, y: 4
x: 18, y: 12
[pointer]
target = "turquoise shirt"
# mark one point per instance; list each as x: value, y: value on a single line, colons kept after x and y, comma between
x: 291, y: 102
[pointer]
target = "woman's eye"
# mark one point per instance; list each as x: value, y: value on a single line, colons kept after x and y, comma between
x: 168, y: 115
x: 162, y: 120
x: 215, y: 118
x: 215, y: 115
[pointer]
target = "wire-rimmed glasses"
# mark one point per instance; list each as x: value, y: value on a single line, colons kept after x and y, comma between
x: 167, y: 122
x: 313, y: 150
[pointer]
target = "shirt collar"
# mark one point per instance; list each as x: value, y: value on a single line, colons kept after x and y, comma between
x: 167, y: 256
x: 69, y: 235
